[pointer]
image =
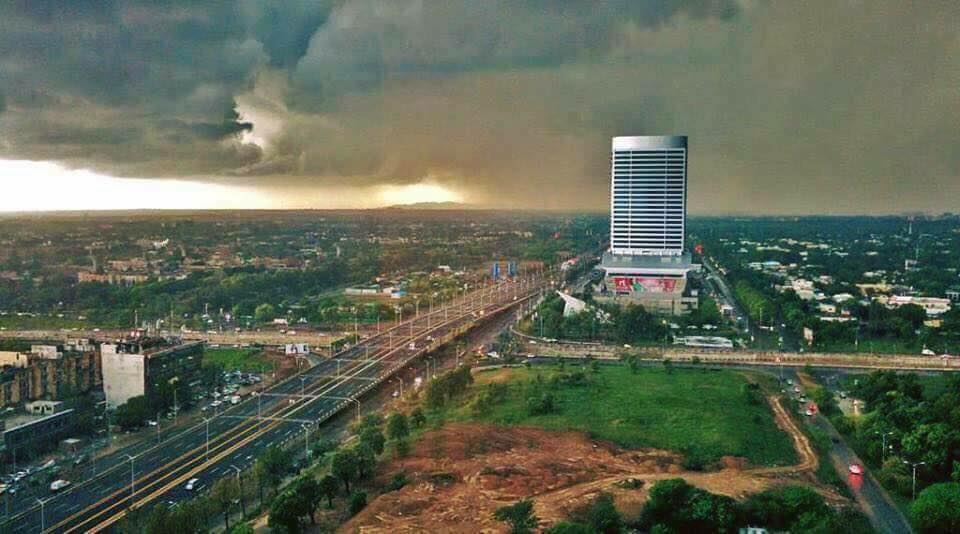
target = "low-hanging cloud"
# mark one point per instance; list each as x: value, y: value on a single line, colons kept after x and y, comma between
x: 791, y: 107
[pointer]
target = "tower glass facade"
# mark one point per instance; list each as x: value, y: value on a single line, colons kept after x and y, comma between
x: 648, y: 195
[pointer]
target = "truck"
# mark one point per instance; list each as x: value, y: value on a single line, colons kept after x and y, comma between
x: 58, y: 485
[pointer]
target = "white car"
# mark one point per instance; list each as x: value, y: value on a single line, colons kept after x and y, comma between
x: 192, y: 484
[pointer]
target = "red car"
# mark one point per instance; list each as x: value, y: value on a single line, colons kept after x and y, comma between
x: 856, y: 469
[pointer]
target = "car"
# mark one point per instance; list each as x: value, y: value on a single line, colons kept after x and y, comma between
x: 151, y: 422
x: 58, y: 485
x: 216, y: 403
x: 856, y: 469
x: 13, y: 489
x: 808, y: 413
x: 796, y: 389
x: 79, y: 459
x: 192, y: 484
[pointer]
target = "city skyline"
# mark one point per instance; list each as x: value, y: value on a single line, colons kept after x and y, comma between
x: 827, y: 108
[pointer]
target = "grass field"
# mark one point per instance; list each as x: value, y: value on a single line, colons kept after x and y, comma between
x: 704, y: 414
x: 236, y: 358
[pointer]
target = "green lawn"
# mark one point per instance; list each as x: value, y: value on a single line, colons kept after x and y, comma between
x: 701, y: 413
x: 236, y: 358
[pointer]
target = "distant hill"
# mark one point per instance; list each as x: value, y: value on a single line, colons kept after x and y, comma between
x: 435, y: 206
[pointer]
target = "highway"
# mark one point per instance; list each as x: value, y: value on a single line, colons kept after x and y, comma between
x: 147, y: 472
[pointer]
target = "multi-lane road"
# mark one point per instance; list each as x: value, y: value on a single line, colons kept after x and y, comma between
x: 149, y: 472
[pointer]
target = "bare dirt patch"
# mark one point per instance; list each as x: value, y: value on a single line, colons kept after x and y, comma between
x: 461, y: 473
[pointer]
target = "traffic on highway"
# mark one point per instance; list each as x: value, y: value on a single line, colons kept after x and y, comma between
x: 227, y: 442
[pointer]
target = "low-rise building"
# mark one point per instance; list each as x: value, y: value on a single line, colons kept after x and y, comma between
x: 932, y: 305
x: 36, y: 433
x: 137, y: 366
x: 42, y: 377
x: 13, y: 359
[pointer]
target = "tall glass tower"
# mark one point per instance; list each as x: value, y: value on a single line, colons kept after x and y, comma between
x: 648, y: 200
x: 646, y: 263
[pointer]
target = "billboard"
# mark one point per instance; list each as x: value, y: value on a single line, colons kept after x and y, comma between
x: 641, y: 284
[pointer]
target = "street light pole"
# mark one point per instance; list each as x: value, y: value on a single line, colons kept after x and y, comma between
x: 207, y: 452
x: 43, y: 522
x: 132, y: 487
x: 883, y: 444
x: 914, y: 465
x: 303, y: 379
x: 306, y: 440
x: 243, y: 508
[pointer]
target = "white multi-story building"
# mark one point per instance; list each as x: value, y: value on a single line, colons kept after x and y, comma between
x: 648, y: 200
x: 646, y: 263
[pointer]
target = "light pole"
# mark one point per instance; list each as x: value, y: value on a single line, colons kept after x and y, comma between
x: 243, y: 508
x: 43, y: 521
x: 132, y: 488
x: 207, y: 452
x: 883, y: 444
x: 158, y: 427
x: 303, y: 380
x: 306, y: 440
x: 914, y: 466
x: 400, y: 379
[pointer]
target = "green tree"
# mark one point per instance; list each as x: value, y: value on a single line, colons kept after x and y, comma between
x: 310, y: 494
x: 372, y: 437
x: 224, y: 492
x: 264, y: 313
x: 358, y: 501
x: 937, y: 509
x: 270, y: 468
x: 328, y: 488
x: 344, y: 466
x: 366, y: 460
x: 132, y: 413
x: 567, y: 527
x: 519, y: 515
x: 417, y: 417
x: 285, y: 514
x: 603, y: 515
x: 397, y: 426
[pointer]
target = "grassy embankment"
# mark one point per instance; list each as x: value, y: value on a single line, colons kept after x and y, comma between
x: 701, y: 413
x: 248, y: 360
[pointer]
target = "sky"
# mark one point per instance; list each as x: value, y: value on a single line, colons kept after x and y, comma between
x: 822, y: 106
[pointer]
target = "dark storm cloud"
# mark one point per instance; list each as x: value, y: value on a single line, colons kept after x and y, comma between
x: 791, y: 106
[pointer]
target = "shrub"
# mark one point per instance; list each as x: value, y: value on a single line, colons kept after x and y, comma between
x: 358, y: 501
